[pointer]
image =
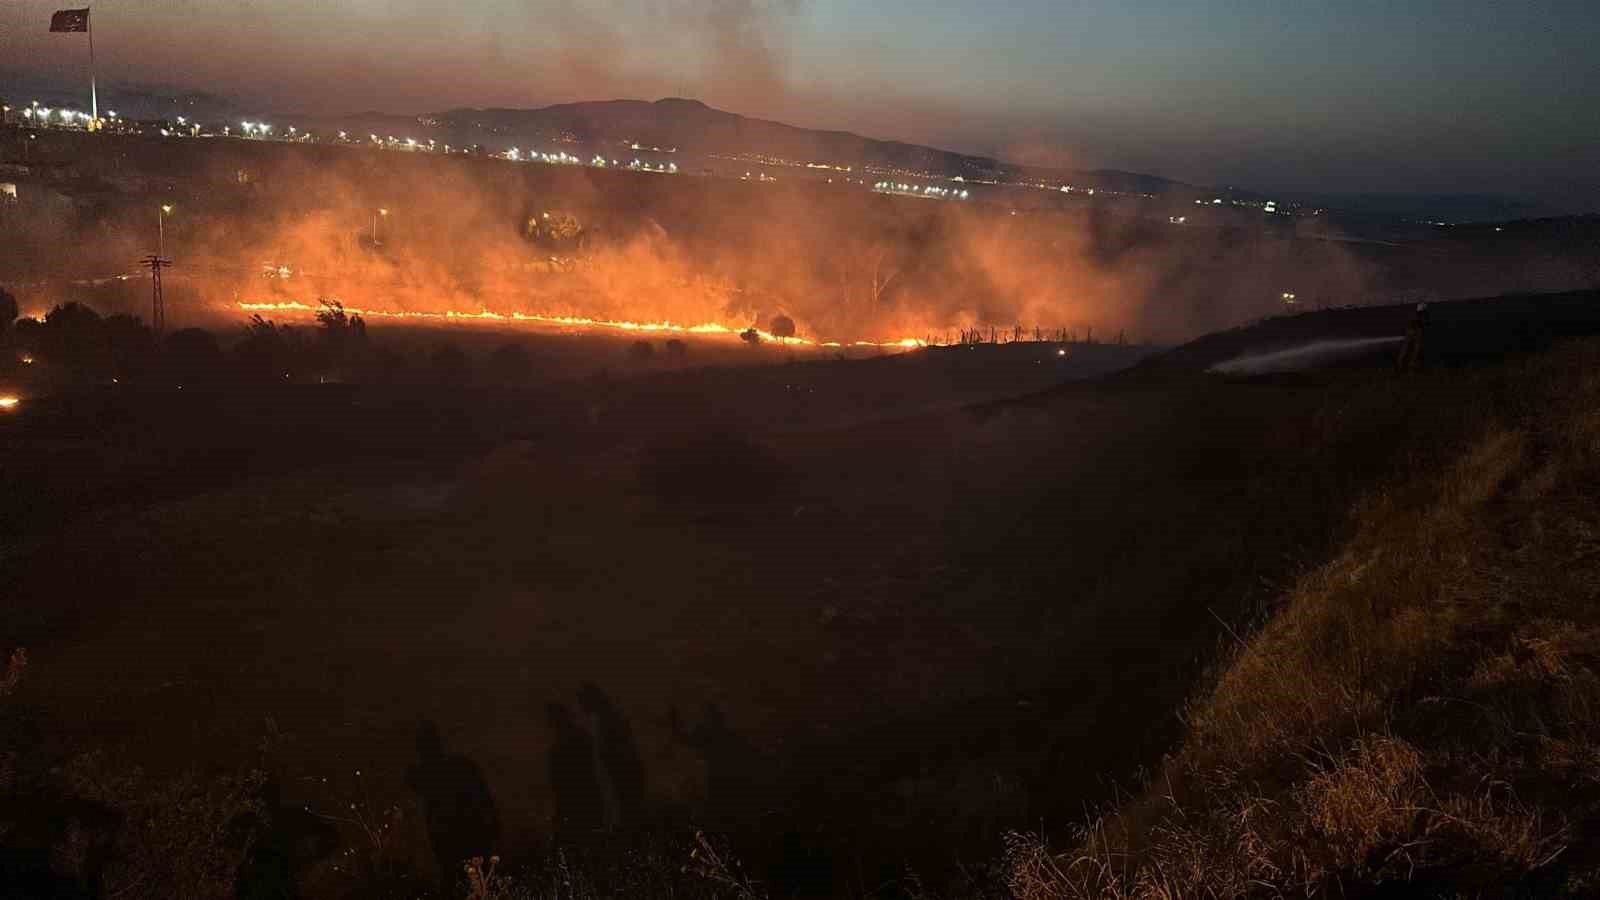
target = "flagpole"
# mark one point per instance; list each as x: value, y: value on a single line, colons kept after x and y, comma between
x: 94, y: 97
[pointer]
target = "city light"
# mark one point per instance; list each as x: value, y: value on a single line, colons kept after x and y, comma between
x: 9, y: 402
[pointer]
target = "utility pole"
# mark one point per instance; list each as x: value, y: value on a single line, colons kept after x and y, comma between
x: 94, y: 93
x: 161, y: 228
x: 158, y: 310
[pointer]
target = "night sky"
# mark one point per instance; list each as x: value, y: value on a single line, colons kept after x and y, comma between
x: 1357, y: 95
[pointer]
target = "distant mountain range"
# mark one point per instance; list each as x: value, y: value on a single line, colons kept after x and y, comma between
x: 693, y: 129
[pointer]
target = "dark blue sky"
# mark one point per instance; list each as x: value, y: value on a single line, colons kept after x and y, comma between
x: 1349, y: 95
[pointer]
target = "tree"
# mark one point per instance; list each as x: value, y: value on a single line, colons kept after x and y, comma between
x: 782, y: 327
x: 750, y: 336
x: 129, y: 344
x: 269, y: 351
x: 874, y: 270
x: 72, y: 338
x: 641, y: 351
x: 342, y: 337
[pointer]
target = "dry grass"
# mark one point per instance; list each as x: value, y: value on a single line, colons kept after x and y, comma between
x: 1420, y: 711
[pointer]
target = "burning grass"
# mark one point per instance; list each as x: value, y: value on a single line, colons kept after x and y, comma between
x: 1420, y: 711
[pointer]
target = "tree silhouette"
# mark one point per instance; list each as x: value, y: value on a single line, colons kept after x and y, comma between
x: 269, y: 351
x: 191, y: 354
x: 782, y: 327
x: 72, y: 338
x: 128, y: 343
x: 8, y: 312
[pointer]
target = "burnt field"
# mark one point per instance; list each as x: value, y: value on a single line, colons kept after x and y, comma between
x: 433, y: 589
x: 858, y: 617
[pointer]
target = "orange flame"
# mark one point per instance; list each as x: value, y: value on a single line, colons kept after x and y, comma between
x: 707, y: 328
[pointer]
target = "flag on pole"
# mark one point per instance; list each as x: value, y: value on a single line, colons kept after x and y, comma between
x: 70, y: 20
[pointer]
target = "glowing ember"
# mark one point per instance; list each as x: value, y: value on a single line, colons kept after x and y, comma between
x: 708, y: 328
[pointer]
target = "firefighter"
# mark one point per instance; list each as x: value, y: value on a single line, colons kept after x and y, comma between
x: 1411, y: 358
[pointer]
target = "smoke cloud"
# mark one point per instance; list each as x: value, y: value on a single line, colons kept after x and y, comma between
x: 467, y: 236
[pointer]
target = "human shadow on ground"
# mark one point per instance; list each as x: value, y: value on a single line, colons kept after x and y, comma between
x: 460, y: 812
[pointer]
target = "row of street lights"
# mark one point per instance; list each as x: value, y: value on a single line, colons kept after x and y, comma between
x: 166, y: 209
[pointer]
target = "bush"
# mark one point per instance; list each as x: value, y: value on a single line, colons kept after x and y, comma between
x: 191, y: 354
x: 271, y: 352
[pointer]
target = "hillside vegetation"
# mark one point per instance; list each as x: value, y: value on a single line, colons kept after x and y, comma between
x: 1418, y: 714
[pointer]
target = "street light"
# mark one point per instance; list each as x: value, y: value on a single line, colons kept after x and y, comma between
x: 161, y: 228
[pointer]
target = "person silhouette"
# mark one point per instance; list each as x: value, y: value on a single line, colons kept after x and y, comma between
x: 733, y: 765
x: 456, y: 804
x: 580, y: 804
x: 617, y: 755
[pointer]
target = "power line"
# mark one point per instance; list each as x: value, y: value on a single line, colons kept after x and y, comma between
x: 158, y: 310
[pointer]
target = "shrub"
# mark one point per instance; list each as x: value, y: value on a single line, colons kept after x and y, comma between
x: 191, y: 354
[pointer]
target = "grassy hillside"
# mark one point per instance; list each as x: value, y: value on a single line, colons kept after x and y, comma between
x: 1419, y: 714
